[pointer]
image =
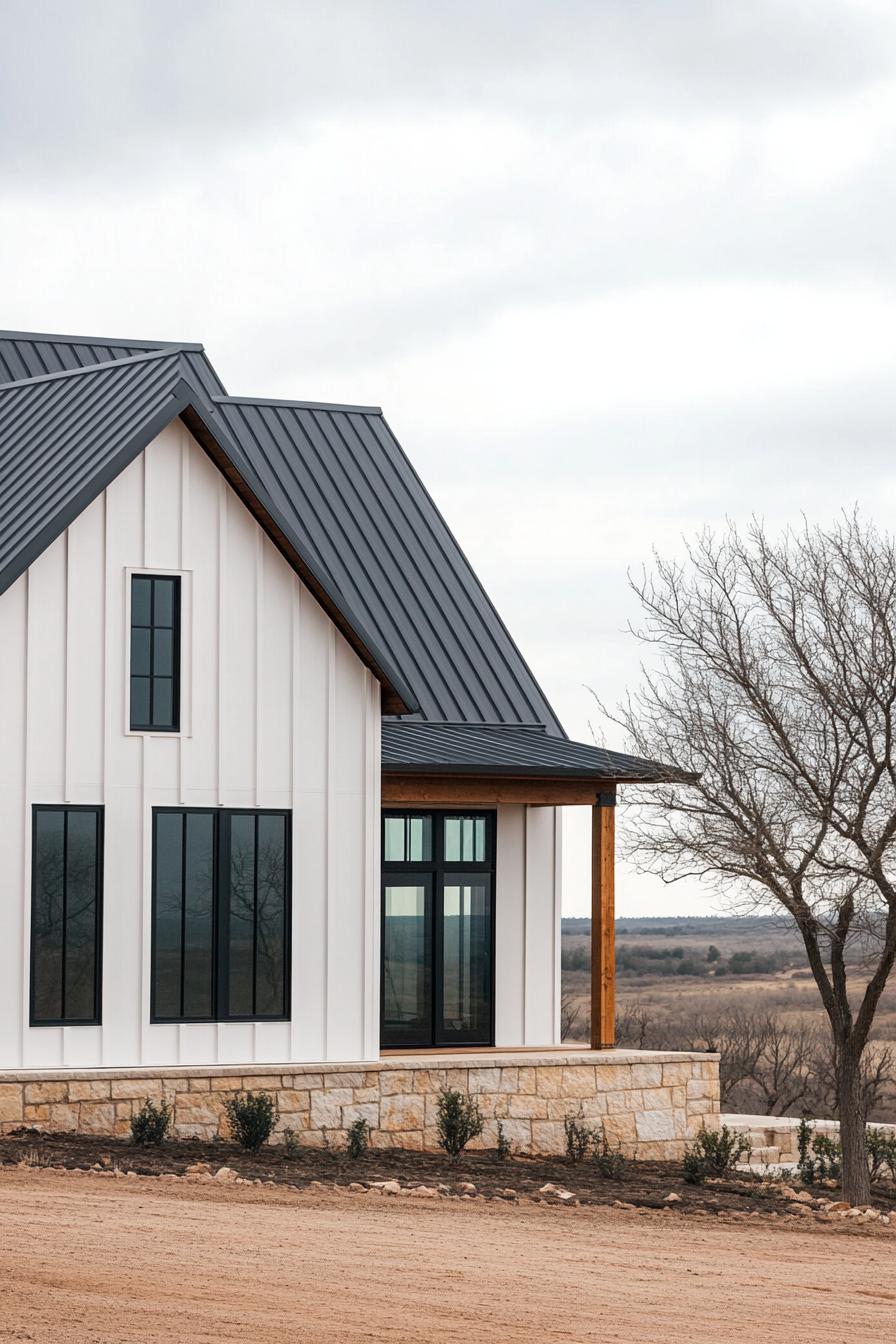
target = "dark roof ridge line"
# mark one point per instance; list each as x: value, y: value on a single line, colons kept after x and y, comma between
x: 162, y: 353
x: 303, y: 405
x: 59, y: 339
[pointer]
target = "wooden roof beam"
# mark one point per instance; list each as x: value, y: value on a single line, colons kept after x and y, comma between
x: 488, y: 790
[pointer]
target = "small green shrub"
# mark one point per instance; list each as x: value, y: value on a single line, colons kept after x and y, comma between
x: 579, y: 1138
x: 458, y: 1121
x: 828, y: 1157
x: 358, y: 1139
x: 804, y: 1150
x: 252, y: 1118
x: 149, y: 1127
x: 820, y: 1155
x: 291, y: 1143
x: 714, y: 1153
x: 609, y: 1161
x: 881, y: 1149
x: 503, y: 1145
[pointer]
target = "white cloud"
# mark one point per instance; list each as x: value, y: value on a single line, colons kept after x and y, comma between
x: 614, y: 270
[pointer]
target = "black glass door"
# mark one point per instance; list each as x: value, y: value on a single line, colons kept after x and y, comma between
x: 438, y: 929
x: 407, y: 968
x: 465, y: 955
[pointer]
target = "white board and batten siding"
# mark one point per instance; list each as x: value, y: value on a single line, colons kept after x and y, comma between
x: 527, y: 926
x: 277, y: 711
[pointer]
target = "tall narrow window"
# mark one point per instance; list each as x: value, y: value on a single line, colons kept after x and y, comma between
x: 66, y: 900
x: 155, y: 653
x: 221, y: 884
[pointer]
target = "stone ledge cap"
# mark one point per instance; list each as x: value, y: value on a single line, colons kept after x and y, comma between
x: 521, y: 1059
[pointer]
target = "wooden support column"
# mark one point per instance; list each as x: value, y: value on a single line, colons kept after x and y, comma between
x: 603, y: 922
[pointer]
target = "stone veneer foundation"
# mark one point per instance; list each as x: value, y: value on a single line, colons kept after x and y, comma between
x: 650, y: 1103
x: 774, y: 1139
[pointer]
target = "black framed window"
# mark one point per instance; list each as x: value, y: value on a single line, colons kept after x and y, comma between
x: 66, y: 915
x: 155, y: 653
x: 438, y: 928
x: 220, y: 915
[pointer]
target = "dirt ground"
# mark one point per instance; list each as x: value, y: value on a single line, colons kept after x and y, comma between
x: 643, y: 1184
x: 132, y: 1260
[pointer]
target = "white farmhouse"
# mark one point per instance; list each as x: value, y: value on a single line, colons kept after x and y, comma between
x: 278, y: 793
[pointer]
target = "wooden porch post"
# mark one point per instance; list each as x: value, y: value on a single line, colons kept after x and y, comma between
x: 603, y: 916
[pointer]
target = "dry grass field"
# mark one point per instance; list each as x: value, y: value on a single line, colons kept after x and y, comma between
x: 678, y: 977
x: 140, y: 1261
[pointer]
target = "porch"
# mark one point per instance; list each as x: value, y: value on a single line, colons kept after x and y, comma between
x: 468, y: 876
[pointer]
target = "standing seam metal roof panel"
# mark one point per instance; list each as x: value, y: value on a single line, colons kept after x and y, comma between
x: 279, y: 466
x: 488, y: 749
x: 356, y: 560
x: 347, y: 485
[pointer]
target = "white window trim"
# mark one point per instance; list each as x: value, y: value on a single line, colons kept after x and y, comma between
x: 186, y: 650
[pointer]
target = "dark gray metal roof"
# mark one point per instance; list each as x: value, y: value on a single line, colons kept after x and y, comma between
x: 29, y: 354
x: 65, y: 436
x: 444, y: 748
x: 341, y: 477
x: 345, y: 487
x: 338, y: 495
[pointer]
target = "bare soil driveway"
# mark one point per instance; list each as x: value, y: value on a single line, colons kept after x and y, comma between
x: 133, y: 1260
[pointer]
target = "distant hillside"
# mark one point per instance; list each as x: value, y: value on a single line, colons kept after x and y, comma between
x: 678, y: 926
x: 699, y: 946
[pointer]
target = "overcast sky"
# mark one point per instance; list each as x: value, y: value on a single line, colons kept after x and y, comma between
x: 613, y: 269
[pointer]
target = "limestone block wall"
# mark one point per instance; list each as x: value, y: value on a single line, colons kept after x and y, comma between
x: 650, y: 1103
x: 774, y: 1139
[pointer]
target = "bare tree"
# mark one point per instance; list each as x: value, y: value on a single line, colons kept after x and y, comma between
x: 570, y: 1012
x: 785, y: 1065
x: 775, y: 687
x: 635, y: 1025
x: 767, y: 1064
x: 878, y: 1077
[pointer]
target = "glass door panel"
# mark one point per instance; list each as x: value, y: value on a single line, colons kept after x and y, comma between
x: 407, y: 967
x: 466, y: 959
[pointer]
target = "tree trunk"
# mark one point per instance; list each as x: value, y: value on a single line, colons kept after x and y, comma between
x: 851, y: 1105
